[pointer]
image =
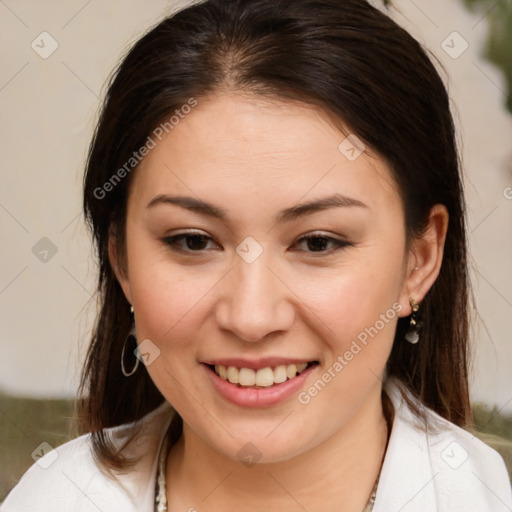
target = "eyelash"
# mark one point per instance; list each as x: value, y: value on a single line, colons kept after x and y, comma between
x: 172, y: 243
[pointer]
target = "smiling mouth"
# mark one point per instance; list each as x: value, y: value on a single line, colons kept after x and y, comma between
x: 261, y: 378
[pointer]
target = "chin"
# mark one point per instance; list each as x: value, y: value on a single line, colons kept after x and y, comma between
x: 263, y: 445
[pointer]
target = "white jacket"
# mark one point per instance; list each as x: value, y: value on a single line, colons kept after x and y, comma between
x: 447, y: 471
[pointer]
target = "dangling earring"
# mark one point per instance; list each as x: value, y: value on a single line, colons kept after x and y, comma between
x: 412, y: 335
x: 132, y: 338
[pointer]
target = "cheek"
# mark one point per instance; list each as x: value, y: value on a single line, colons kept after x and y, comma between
x: 169, y: 310
x: 167, y: 296
x: 170, y: 298
x: 168, y: 301
x: 355, y: 298
x: 357, y: 311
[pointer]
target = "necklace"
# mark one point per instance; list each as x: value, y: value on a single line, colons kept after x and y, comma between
x: 161, y: 489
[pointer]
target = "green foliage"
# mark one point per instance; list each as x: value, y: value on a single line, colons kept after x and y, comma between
x: 499, y: 43
x: 495, y: 429
x: 24, y: 425
x: 490, y: 420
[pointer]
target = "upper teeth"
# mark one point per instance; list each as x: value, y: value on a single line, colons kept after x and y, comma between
x: 264, y: 377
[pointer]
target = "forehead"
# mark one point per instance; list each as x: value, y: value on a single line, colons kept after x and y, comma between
x: 232, y: 146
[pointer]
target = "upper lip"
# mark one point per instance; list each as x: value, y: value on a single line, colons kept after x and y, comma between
x: 256, y: 364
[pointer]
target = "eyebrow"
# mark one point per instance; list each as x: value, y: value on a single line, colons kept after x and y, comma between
x: 286, y: 215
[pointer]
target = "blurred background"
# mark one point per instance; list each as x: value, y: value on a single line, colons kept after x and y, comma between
x: 56, y: 56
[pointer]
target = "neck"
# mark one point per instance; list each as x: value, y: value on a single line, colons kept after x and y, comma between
x: 341, y: 470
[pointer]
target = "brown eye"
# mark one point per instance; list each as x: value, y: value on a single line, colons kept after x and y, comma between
x: 320, y: 244
x: 187, y: 242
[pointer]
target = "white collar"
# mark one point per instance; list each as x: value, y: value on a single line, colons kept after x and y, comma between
x: 420, y: 471
x: 435, y: 466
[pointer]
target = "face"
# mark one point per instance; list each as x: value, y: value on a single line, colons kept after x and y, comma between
x: 243, y: 279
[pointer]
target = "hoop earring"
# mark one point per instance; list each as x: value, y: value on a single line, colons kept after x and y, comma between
x: 412, y: 335
x: 133, y: 339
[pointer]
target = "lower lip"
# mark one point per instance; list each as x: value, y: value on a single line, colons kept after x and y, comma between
x: 258, y: 397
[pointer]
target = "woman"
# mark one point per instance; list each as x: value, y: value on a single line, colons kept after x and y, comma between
x: 275, y: 195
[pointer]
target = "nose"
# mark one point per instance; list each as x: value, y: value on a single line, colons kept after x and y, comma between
x: 255, y: 301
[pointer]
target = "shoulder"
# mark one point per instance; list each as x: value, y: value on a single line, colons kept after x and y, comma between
x: 69, y: 478
x: 454, y: 469
x: 467, y: 468
x: 63, y: 476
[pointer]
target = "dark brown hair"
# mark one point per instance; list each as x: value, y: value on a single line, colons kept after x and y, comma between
x: 345, y: 57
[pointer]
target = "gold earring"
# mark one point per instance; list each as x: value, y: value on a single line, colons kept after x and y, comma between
x: 412, y: 335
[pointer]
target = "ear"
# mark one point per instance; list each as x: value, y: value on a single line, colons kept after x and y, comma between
x: 425, y: 258
x: 119, y: 267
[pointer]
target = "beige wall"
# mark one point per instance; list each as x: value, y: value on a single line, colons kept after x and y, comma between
x: 48, y: 107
